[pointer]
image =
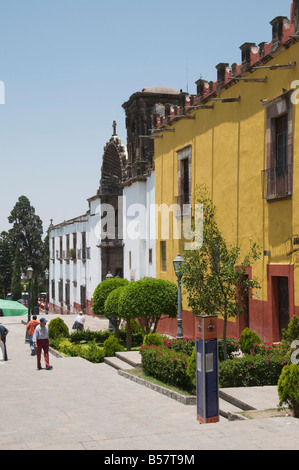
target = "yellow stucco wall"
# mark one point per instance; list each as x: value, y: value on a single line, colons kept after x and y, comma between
x: 229, y: 152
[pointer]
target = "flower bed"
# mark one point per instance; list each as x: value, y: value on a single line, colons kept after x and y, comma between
x: 251, y: 370
x: 166, y: 364
x: 174, y: 363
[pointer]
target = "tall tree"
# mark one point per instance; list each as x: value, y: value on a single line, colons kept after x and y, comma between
x: 215, y: 275
x: 16, y: 288
x: 6, y: 262
x: 27, y: 230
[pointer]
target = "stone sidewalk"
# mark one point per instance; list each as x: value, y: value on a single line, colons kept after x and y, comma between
x: 84, y: 406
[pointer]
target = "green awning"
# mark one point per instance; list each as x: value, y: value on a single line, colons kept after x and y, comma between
x: 12, y: 309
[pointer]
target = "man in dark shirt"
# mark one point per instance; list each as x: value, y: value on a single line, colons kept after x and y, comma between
x: 3, y: 334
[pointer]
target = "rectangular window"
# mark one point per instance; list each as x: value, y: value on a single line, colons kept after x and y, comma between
x: 60, y: 249
x: 83, y: 298
x: 83, y: 246
x: 278, y: 177
x: 163, y: 257
x: 281, y: 153
x: 67, y: 248
x: 130, y: 260
x: 67, y: 293
x: 53, y: 288
x: 184, y: 179
x: 53, y: 250
x: 150, y: 256
x: 60, y: 290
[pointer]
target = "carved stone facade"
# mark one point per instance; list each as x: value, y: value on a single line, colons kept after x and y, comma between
x: 143, y: 109
x: 109, y: 192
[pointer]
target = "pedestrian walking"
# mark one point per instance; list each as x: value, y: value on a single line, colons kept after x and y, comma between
x: 41, y: 342
x: 30, y: 330
x: 3, y: 334
x: 80, y: 320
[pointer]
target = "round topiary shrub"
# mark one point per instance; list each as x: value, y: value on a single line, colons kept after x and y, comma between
x: 57, y: 328
x: 248, y: 339
x: 288, y: 388
x: 102, y: 291
x: 112, y: 310
x: 148, y: 300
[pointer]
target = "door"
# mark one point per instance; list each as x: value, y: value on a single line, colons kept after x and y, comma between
x: 283, y: 304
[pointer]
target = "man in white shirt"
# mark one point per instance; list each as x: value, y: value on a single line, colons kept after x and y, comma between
x: 41, y: 341
x: 80, y: 321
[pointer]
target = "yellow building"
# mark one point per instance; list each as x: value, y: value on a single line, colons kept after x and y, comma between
x: 238, y: 137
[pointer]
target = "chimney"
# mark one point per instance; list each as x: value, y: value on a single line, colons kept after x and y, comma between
x: 201, y: 86
x: 295, y: 15
x: 277, y: 30
x: 221, y: 73
x: 246, y: 50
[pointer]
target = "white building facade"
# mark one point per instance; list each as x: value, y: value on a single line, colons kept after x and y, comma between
x: 117, y: 235
x: 81, y: 255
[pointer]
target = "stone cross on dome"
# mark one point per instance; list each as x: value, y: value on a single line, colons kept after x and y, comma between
x: 114, y: 127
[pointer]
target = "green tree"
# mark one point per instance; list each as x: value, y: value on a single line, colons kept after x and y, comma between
x: 16, y: 288
x: 27, y: 230
x: 215, y: 275
x: 102, y: 291
x: 6, y: 263
x: 112, y: 310
x: 148, y: 300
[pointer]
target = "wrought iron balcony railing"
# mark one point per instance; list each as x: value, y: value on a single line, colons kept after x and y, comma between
x: 277, y: 183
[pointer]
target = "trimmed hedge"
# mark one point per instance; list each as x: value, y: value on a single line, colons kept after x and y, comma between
x: 251, y: 370
x: 166, y: 365
x: 174, y: 364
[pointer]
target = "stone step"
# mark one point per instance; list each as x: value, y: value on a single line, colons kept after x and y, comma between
x: 229, y: 411
x: 117, y: 363
x: 133, y: 358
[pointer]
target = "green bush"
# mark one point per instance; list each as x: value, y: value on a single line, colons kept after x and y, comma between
x: 137, y: 338
x: 233, y: 346
x: 91, y: 352
x: 88, y: 335
x: 191, y: 368
x: 166, y: 365
x: 111, y: 346
x: 185, y: 345
x: 152, y: 339
x: 288, y: 388
x: 290, y: 334
x: 250, y: 370
x: 247, y: 340
x: 102, y: 291
x: 57, y: 328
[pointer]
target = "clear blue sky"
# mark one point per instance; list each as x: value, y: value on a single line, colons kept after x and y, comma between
x: 69, y: 65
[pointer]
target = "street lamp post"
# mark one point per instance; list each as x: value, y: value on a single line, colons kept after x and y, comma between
x: 29, y: 274
x: 110, y: 326
x: 47, y: 290
x: 178, y: 262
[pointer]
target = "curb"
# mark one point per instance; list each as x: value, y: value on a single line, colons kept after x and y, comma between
x: 185, y: 400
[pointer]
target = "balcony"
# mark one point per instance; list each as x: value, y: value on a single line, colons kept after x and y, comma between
x: 277, y: 183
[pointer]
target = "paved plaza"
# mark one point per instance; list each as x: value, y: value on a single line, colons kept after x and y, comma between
x: 83, y: 406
